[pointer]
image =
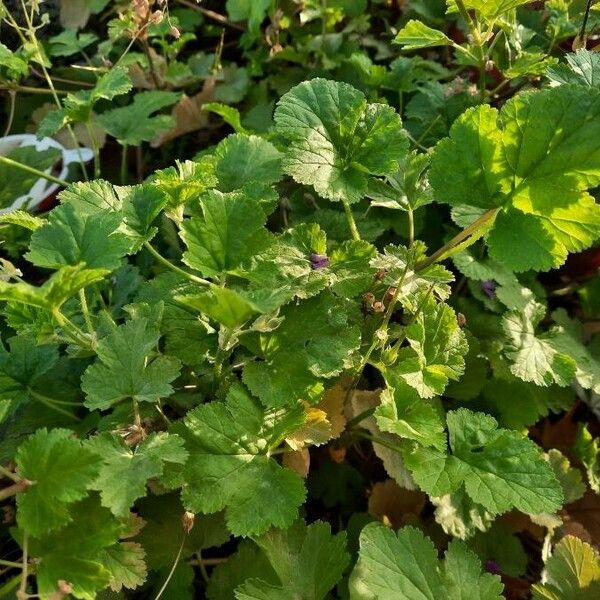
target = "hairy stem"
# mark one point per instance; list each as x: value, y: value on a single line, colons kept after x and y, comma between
x: 460, y: 237
x: 13, y: 163
x: 351, y: 222
x: 167, y: 263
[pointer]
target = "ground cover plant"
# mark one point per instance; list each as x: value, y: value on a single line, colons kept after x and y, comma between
x: 319, y: 317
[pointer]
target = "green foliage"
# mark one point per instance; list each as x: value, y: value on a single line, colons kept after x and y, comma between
x: 214, y: 380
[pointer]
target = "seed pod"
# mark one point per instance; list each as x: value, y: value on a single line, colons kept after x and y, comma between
x: 378, y: 307
x: 462, y: 320
x: 368, y: 301
x: 380, y: 275
x: 187, y: 520
x: 389, y: 295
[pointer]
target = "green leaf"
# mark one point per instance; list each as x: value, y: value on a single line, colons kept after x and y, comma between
x: 78, y: 106
x: 81, y: 560
x: 534, y: 358
x: 164, y: 531
x: 499, y: 468
x: 572, y: 572
x: 186, y: 180
x: 229, y: 445
x: 416, y: 35
x: 436, y: 351
x: 399, y: 265
x: 404, y: 413
x: 71, y: 238
x: 60, y: 469
x: 243, y: 159
x: 587, y: 449
x: 502, y: 547
x: 125, y: 471
x: 335, y: 139
x: 126, y: 565
x: 459, y: 516
x: 61, y: 286
x: 569, y: 477
x: 69, y: 42
x: 133, y: 124
x: 405, y: 565
x: 247, y: 562
x: 253, y: 11
x: 285, y: 270
x: 229, y: 114
x: 316, y: 341
x: 223, y: 305
x: 22, y: 366
x: 13, y: 63
x: 583, y: 69
x: 488, y: 9
x: 308, y: 561
x: 22, y: 219
x: 230, y: 230
x: 522, y: 162
x: 140, y: 209
x: 128, y: 367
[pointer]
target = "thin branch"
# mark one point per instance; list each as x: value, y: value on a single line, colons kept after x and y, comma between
x: 211, y: 14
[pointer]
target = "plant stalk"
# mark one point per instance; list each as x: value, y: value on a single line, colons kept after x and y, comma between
x: 13, y: 163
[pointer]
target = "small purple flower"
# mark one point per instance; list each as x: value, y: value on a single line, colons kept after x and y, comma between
x: 491, y: 566
x: 489, y: 289
x: 319, y: 261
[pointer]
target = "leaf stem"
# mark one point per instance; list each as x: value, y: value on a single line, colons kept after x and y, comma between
x: 124, y: 149
x: 167, y: 263
x: 73, y: 331
x: 10, y: 585
x: 9, y: 474
x: 10, y: 564
x: 14, y: 489
x: 377, y: 440
x: 13, y: 163
x: 351, y: 222
x: 460, y: 237
x: 22, y: 593
x: 86, y: 312
x: 52, y: 404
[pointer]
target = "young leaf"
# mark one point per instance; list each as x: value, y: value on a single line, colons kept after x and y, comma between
x: 308, y: 561
x: 405, y: 565
x: 128, y: 368
x: 437, y: 347
x: 229, y: 445
x: 416, y: 35
x: 572, y: 572
x: 316, y: 341
x: 500, y: 468
x: 78, y: 106
x: 60, y: 469
x: 133, y: 124
x: 124, y: 472
x: 404, y: 413
x: 398, y: 263
x: 488, y: 9
x: 336, y: 139
x: 520, y: 162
